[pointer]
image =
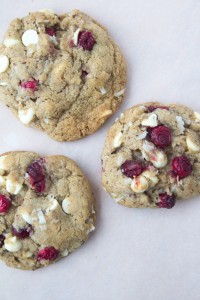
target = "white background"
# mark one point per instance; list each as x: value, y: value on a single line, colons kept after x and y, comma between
x: 135, y: 254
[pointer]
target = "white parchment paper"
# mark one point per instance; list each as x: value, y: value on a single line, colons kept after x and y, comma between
x: 135, y: 254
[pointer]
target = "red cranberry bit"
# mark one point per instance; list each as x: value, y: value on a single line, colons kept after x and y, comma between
x: 50, y: 31
x: 181, y: 166
x: 30, y: 84
x: 2, y: 238
x: 71, y: 44
x: 86, y: 40
x: 152, y: 108
x: 37, y: 176
x: 5, y: 204
x: 166, y: 201
x: 132, y: 168
x: 47, y: 253
x: 161, y: 136
x: 22, y: 233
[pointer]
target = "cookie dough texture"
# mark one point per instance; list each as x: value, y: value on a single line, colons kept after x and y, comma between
x: 61, y: 217
x: 128, y: 139
x: 76, y: 90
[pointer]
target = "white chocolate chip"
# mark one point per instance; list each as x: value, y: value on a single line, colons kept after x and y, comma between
x: 76, y: 34
x: 157, y: 157
x: 4, y: 63
x: 65, y: 205
x: 120, y: 93
x: 30, y: 37
x: 26, y: 116
x: 2, y: 162
x: 12, y: 186
x: 103, y: 91
x: 53, y: 204
x: 151, y: 121
x: 139, y: 184
x: 151, y: 176
x: 9, y: 42
x: 40, y: 215
x: 118, y: 140
x: 3, y: 83
x: 160, y: 160
x: 197, y: 116
x: 180, y: 123
x: 26, y: 216
x: 92, y: 228
x: 148, y: 147
x: 142, y: 135
x: 12, y: 244
x: 191, y: 145
x: 106, y: 113
x: 65, y: 253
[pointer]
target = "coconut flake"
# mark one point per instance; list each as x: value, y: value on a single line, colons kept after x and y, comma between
x: 53, y: 39
x: 92, y: 228
x: 180, y: 123
x: 151, y: 121
x: 103, y: 91
x: 142, y: 135
x: 120, y: 93
x: 41, y: 217
x: 75, y: 38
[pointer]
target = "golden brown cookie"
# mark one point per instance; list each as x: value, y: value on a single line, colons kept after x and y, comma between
x: 61, y: 74
x: 151, y: 156
x: 47, y: 209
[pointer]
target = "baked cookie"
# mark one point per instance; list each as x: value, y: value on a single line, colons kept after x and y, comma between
x: 151, y: 156
x: 61, y: 74
x: 47, y: 209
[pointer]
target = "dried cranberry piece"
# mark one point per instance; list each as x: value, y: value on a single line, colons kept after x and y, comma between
x: 132, y: 168
x: 161, y: 136
x: 50, y: 31
x: 181, y: 166
x: 166, y: 201
x: 151, y: 108
x: 37, y: 176
x: 48, y: 253
x: 5, y: 204
x: 86, y: 40
x: 22, y: 233
x: 30, y: 84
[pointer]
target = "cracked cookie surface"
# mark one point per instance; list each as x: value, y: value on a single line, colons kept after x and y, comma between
x: 47, y: 209
x: 61, y: 74
x: 151, y: 156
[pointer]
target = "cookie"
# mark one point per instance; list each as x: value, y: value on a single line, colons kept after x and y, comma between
x: 47, y: 209
x: 151, y: 156
x: 62, y: 74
